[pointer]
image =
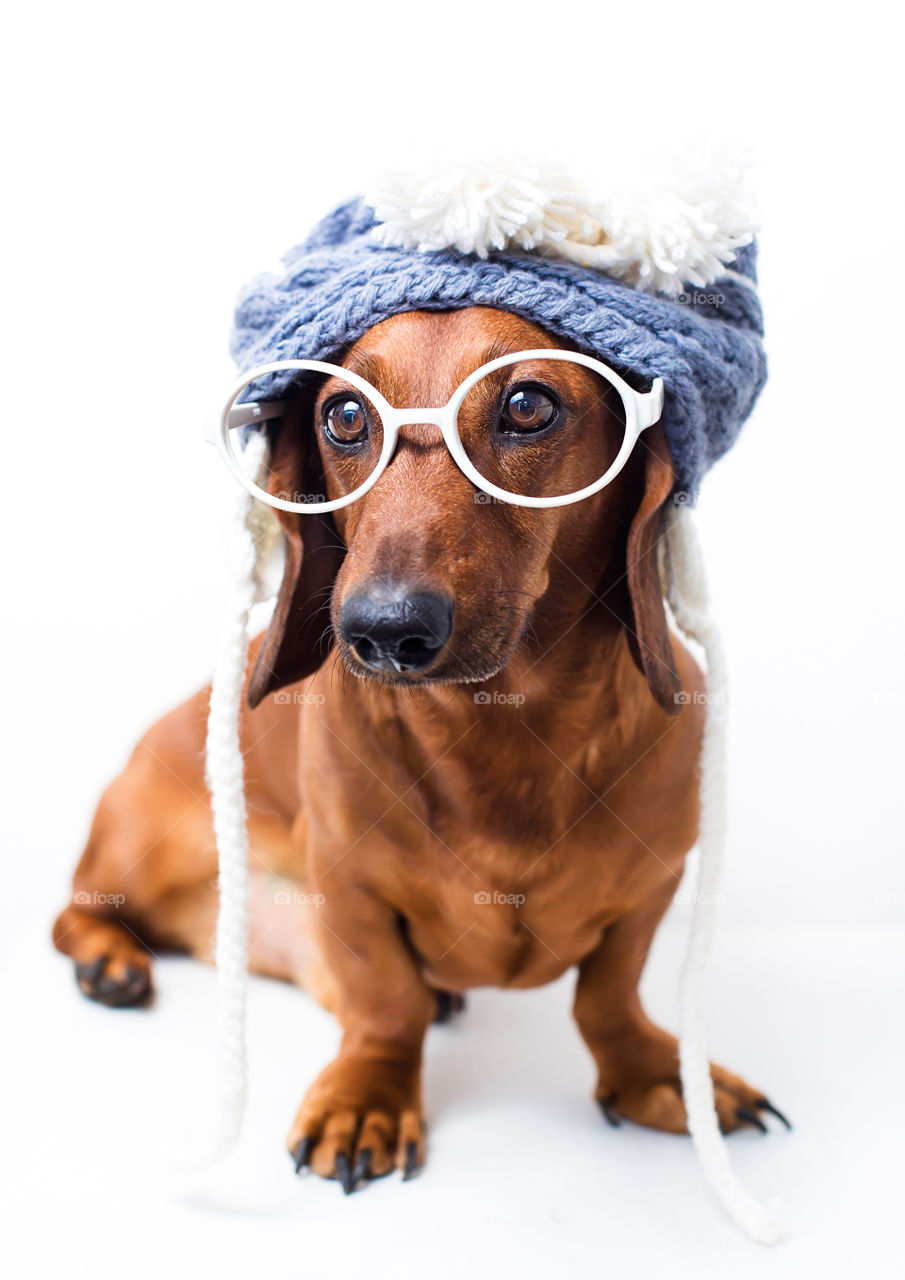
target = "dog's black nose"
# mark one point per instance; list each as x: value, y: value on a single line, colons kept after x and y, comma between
x: 396, y: 633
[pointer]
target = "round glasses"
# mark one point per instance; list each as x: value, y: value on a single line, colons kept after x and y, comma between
x: 537, y: 428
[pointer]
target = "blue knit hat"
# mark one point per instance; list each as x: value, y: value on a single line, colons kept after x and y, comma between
x: 674, y: 299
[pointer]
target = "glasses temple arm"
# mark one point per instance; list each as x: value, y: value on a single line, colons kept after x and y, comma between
x: 249, y: 414
x: 650, y: 406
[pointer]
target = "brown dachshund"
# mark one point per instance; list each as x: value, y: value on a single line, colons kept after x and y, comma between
x: 486, y: 780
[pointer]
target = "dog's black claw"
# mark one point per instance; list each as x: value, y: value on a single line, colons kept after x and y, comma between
x: 116, y: 993
x: 137, y: 986
x: 89, y: 973
x: 608, y: 1113
x: 344, y: 1172
x: 448, y: 1003
x: 751, y: 1117
x: 362, y: 1168
x: 410, y: 1166
x: 302, y: 1153
x: 765, y: 1105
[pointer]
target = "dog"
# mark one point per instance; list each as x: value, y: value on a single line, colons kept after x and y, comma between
x: 471, y: 745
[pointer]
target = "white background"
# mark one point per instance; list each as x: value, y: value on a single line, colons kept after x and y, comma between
x: 155, y: 158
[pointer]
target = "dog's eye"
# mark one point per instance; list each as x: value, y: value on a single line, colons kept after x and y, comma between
x: 344, y: 420
x: 528, y: 409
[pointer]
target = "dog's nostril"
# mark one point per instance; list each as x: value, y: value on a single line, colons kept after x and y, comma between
x: 403, y: 634
x: 414, y: 644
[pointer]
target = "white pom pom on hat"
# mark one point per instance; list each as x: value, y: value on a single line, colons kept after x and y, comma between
x: 679, y: 223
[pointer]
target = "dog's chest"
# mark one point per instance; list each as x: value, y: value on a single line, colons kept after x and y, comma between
x: 506, y: 867
x: 492, y: 914
x: 495, y: 938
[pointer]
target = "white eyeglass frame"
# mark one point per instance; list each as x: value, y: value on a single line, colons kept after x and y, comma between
x: 642, y: 410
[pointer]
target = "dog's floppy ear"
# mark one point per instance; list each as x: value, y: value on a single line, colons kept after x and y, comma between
x: 647, y: 630
x: 297, y: 640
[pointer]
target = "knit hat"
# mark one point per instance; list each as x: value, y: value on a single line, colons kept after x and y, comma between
x: 655, y: 284
x: 658, y: 282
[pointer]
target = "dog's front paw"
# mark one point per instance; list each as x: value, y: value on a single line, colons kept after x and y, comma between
x: 361, y: 1119
x: 639, y: 1081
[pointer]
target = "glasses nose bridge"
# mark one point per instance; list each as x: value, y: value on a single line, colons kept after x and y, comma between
x: 430, y: 417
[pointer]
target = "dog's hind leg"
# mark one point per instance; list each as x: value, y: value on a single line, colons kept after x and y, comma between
x: 150, y: 843
x: 148, y: 877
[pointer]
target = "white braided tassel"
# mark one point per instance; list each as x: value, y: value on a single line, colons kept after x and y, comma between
x: 225, y: 778
x: 687, y: 594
